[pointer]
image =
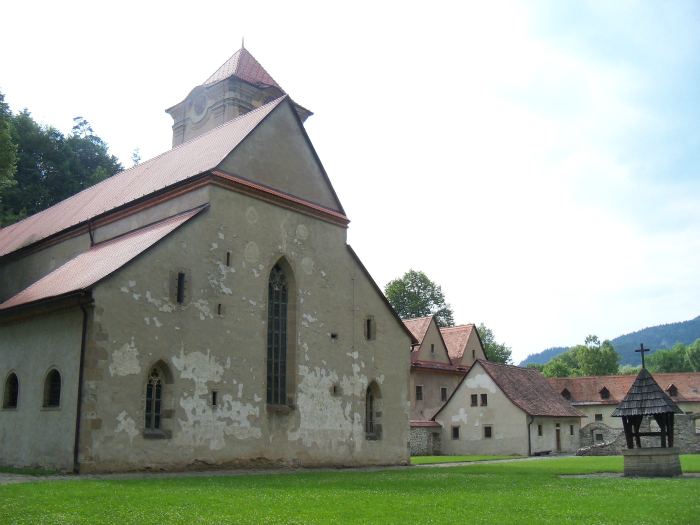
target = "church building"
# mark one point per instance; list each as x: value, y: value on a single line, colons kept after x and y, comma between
x: 202, y: 308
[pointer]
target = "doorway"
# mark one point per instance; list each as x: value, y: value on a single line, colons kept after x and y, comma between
x: 558, y: 440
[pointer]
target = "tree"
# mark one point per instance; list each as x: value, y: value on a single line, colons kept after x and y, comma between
x: 629, y: 370
x: 556, y: 368
x: 692, y: 354
x: 136, y: 157
x: 595, y: 359
x: 668, y: 361
x: 495, y: 352
x: 51, y: 167
x: 536, y: 366
x: 414, y: 295
x: 8, y: 149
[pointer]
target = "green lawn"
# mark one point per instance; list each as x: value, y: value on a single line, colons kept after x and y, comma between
x: 494, y: 493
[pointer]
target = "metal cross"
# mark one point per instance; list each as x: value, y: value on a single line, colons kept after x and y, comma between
x: 641, y: 351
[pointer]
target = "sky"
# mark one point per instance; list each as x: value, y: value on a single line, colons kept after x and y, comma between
x: 538, y: 160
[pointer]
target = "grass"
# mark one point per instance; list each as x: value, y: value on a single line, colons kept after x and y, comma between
x: 423, y: 460
x: 515, y: 492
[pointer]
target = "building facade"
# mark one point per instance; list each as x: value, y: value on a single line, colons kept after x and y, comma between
x: 201, y: 309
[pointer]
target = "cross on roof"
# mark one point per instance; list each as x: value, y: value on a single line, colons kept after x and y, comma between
x: 641, y: 350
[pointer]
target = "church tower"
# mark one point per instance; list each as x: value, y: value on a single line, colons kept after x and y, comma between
x: 240, y: 85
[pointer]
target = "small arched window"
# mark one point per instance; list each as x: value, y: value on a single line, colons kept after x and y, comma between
x: 52, y: 389
x: 373, y: 428
x: 9, y: 400
x: 154, y: 399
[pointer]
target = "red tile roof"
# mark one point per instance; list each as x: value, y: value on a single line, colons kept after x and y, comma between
x: 456, y: 338
x: 244, y: 66
x: 586, y: 390
x: 416, y: 423
x: 418, y: 326
x: 528, y: 389
x: 192, y: 158
x: 98, y: 262
x: 434, y: 365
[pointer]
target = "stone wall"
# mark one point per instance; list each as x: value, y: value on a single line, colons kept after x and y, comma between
x: 425, y: 441
x: 613, y: 439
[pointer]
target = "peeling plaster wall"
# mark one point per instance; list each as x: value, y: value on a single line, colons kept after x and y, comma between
x: 30, y: 435
x: 136, y: 325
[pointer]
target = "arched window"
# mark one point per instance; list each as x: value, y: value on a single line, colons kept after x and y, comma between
x: 277, y: 300
x: 373, y: 428
x: 52, y: 389
x: 11, y: 396
x: 154, y: 399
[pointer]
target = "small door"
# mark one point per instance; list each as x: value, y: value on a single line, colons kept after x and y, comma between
x: 558, y: 440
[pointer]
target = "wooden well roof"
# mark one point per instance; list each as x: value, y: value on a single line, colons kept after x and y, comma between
x: 645, y: 398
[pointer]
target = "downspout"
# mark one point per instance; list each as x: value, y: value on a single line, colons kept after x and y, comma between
x: 529, y: 436
x: 83, y: 343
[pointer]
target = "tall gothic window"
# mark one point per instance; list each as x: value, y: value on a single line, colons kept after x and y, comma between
x: 154, y: 397
x: 369, y: 412
x: 52, y: 389
x: 277, y: 299
x: 9, y: 400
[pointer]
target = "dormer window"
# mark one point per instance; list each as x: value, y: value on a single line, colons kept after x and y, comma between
x: 604, y: 393
x: 672, y: 391
x: 566, y: 394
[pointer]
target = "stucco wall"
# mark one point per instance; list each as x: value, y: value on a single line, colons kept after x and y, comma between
x: 32, y: 435
x: 136, y: 324
x: 508, y: 422
x: 432, y: 383
x: 473, y: 350
x: 568, y: 434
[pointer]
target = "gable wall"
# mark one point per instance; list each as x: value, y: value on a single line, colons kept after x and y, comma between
x: 136, y: 324
x: 31, y: 435
x: 432, y: 337
x: 509, y: 423
x: 277, y: 155
x: 432, y: 382
x: 473, y: 348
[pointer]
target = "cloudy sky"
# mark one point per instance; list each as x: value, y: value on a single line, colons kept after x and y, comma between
x: 538, y: 160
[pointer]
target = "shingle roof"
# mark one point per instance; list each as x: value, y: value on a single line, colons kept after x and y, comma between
x: 244, y: 66
x: 456, y: 339
x: 528, y: 389
x: 418, y: 326
x: 97, y: 263
x: 192, y: 158
x: 645, y: 398
x: 586, y: 390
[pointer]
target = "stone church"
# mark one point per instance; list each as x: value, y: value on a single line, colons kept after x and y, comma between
x: 202, y: 308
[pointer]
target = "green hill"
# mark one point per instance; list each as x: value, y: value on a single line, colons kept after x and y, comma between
x: 655, y: 337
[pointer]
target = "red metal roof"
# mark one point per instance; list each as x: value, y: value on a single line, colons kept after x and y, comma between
x: 97, y: 263
x: 456, y: 339
x: 586, y: 390
x: 244, y: 66
x: 192, y: 158
x: 529, y: 390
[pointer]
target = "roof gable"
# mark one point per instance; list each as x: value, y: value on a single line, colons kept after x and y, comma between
x: 243, y: 65
x: 432, y: 348
x: 279, y: 155
x: 188, y: 160
x: 457, y: 338
x: 418, y: 326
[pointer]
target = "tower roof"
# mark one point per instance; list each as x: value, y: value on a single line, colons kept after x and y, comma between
x: 244, y: 66
x: 645, y: 398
